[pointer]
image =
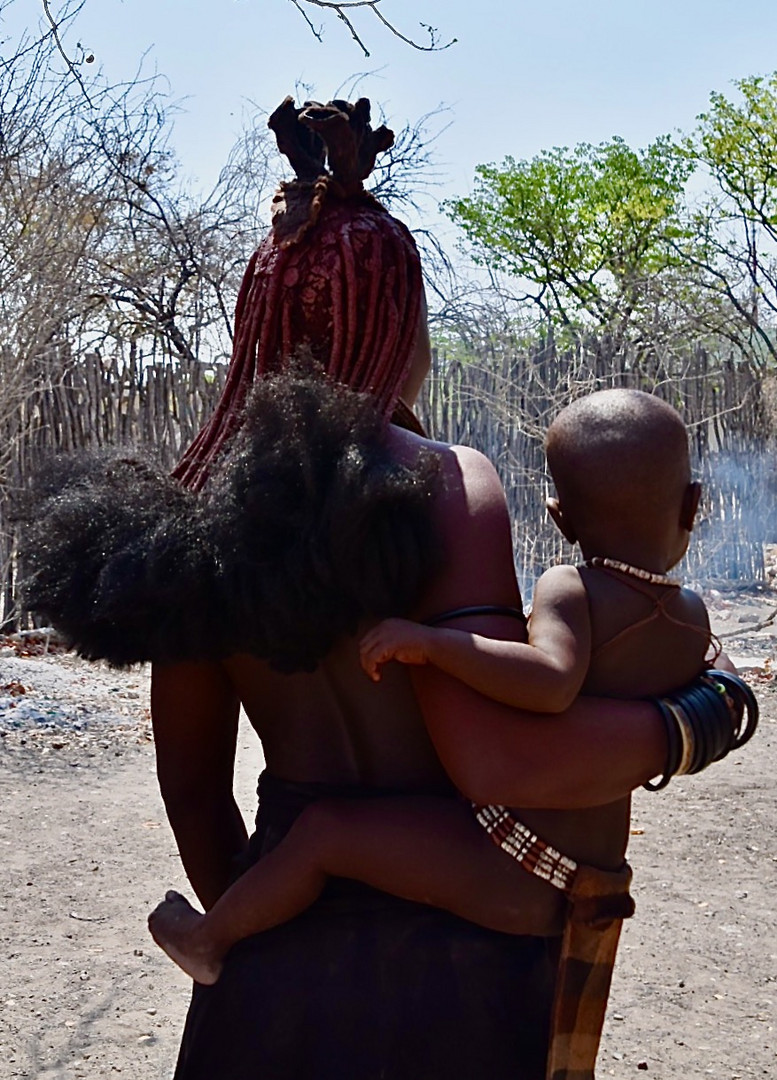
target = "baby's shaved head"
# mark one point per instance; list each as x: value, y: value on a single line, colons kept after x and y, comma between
x: 618, y: 452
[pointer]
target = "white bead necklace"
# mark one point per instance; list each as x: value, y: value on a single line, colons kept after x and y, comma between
x: 599, y: 563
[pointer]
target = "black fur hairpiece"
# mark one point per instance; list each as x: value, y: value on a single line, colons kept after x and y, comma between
x: 307, y: 527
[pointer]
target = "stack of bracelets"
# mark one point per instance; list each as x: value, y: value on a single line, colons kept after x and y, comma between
x: 705, y: 721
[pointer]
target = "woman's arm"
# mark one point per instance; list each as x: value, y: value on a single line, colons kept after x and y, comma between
x: 594, y: 753
x: 194, y: 709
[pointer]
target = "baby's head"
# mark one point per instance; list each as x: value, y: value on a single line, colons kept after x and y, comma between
x: 620, y: 463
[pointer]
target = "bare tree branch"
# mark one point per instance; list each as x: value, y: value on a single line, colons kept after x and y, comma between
x: 433, y: 45
x: 61, y: 49
x: 316, y: 33
x: 341, y: 7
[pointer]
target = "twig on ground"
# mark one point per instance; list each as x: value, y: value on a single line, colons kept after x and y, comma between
x: 751, y: 627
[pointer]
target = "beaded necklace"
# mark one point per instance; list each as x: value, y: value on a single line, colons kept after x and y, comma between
x: 599, y: 563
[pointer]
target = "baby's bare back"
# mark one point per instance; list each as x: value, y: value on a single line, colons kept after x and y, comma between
x: 646, y: 640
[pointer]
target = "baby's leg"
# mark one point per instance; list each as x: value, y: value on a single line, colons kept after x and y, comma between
x: 430, y: 850
x: 283, y: 883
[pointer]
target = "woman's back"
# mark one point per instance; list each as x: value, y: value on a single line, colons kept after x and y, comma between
x: 334, y: 725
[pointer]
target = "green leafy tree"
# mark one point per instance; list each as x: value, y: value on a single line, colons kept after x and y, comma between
x: 735, y: 223
x: 585, y: 229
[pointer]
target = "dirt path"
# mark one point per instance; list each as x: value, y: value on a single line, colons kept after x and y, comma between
x: 86, y: 853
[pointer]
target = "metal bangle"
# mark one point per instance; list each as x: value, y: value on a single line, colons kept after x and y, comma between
x: 721, y: 713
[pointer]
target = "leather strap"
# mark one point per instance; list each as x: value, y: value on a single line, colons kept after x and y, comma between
x: 598, y: 902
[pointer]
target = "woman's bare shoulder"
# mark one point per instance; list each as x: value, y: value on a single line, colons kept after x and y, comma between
x: 474, y: 527
x: 473, y: 492
x: 470, y: 478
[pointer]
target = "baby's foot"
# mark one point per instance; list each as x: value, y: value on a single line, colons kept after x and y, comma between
x: 174, y: 926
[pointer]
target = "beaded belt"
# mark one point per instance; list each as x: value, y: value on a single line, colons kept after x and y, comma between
x: 518, y: 841
x: 598, y: 902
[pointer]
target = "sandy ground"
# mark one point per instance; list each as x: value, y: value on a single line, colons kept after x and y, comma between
x: 86, y: 852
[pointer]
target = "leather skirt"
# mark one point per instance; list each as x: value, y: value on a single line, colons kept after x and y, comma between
x: 365, y: 986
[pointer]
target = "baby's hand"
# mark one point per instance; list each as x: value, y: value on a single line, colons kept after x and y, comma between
x: 393, y: 639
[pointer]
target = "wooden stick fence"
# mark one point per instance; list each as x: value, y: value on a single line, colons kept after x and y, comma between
x: 501, y: 401
x: 92, y: 403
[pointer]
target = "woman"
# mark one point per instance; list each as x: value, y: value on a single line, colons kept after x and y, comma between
x: 363, y: 985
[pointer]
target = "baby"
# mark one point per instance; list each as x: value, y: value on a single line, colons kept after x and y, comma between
x: 614, y: 626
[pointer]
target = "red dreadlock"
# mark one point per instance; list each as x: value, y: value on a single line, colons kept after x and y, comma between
x: 337, y: 275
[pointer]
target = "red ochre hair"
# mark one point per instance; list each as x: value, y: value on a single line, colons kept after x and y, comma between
x: 337, y: 277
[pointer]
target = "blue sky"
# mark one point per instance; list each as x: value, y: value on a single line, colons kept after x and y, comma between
x: 523, y: 76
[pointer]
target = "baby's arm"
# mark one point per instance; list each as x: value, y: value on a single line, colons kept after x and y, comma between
x: 544, y: 675
x: 430, y: 850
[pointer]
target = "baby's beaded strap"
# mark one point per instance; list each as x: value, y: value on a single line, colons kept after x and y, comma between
x: 518, y: 841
